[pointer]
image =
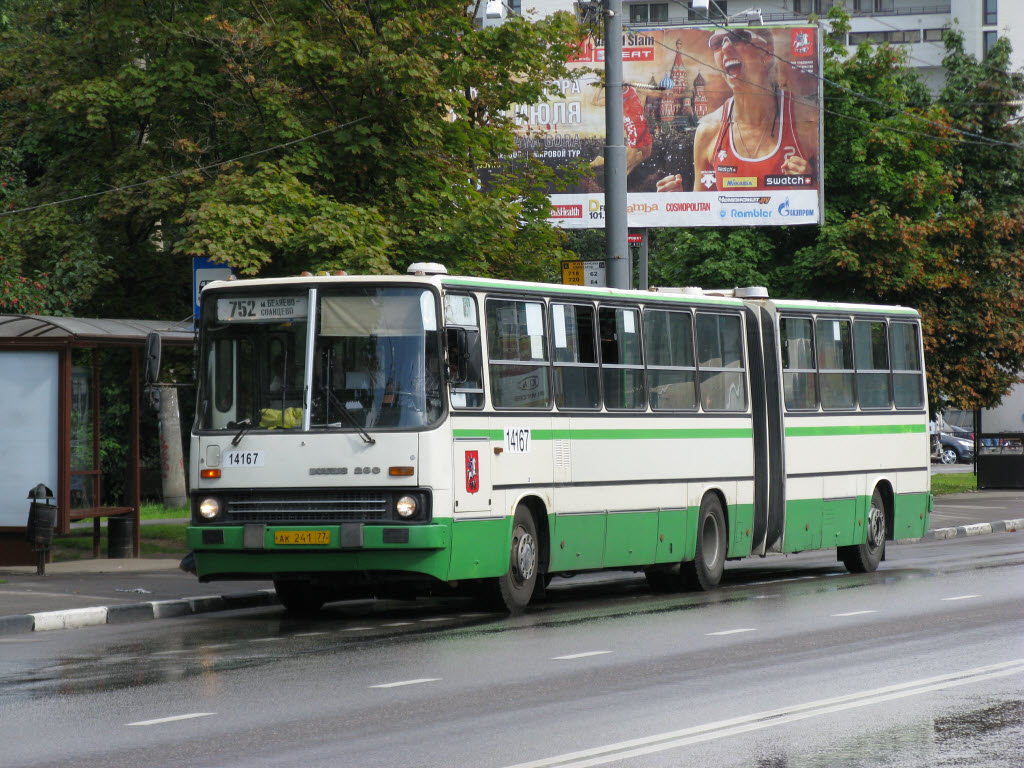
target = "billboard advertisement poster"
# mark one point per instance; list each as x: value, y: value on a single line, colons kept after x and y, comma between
x: 722, y: 127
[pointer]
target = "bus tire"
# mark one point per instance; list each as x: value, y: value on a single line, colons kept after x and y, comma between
x: 515, y: 588
x: 300, y: 598
x: 864, y: 558
x: 705, y: 570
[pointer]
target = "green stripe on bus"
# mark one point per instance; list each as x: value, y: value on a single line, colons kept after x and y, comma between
x: 868, y: 429
x: 613, y: 434
x: 570, y: 290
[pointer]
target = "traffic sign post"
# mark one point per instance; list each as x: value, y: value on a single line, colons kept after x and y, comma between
x: 206, y: 271
x: 592, y: 273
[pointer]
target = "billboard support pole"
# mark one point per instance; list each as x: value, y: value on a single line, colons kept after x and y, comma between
x: 616, y: 244
x: 642, y: 278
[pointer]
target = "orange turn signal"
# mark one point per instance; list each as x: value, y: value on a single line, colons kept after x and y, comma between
x: 209, y: 474
x: 401, y: 471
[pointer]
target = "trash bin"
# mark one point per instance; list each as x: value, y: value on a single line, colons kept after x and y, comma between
x: 42, y: 517
x: 120, y: 536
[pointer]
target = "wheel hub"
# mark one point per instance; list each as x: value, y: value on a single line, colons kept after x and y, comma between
x: 525, y: 556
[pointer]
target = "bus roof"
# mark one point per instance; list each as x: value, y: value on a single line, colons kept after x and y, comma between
x: 672, y: 295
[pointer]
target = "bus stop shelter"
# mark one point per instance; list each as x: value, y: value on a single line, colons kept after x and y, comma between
x: 50, y: 390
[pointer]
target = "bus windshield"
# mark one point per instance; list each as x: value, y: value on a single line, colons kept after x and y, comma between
x: 375, y: 361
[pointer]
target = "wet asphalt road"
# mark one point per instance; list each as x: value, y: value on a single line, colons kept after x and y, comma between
x: 792, y: 663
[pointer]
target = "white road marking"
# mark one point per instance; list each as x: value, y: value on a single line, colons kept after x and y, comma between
x: 436, y: 618
x: 173, y: 718
x: 853, y: 613
x: 579, y: 655
x: 400, y: 683
x: 308, y: 634
x: 357, y: 629
x: 730, y: 631
x: 761, y: 720
x: 397, y: 624
x: 961, y: 597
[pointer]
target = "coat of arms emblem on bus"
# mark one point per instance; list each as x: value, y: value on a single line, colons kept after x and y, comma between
x: 472, y: 471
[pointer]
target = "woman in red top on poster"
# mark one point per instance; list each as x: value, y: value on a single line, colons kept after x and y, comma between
x: 760, y: 132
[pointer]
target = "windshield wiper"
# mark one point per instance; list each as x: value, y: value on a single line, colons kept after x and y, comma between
x: 245, y: 425
x: 367, y: 438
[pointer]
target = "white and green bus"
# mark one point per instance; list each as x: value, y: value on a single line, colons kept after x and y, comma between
x: 402, y: 435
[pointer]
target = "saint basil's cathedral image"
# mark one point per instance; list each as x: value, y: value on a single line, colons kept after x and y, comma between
x: 671, y: 103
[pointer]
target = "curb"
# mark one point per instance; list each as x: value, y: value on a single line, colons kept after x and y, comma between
x: 75, y: 618
x: 999, y: 526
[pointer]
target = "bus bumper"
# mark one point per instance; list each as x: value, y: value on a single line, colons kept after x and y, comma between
x: 258, y: 551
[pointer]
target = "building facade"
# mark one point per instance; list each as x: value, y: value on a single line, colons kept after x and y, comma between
x: 916, y: 24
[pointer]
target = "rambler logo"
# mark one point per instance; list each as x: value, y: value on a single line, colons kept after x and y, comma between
x: 567, y: 212
x: 785, y: 210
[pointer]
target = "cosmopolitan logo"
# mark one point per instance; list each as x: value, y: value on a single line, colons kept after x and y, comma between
x: 789, y: 181
x: 740, y: 182
x: 757, y: 213
x: 567, y: 212
x: 688, y: 207
x: 785, y: 210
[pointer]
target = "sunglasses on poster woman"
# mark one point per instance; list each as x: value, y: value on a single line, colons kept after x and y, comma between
x: 717, y: 40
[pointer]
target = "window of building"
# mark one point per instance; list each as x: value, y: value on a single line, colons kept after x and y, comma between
x: 819, y: 7
x: 517, y: 351
x: 872, y: 6
x: 574, y: 356
x: 989, y: 13
x: 646, y: 13
x: 891, y: 36
x: 934, y: 35
x: 622, y: 365
x: 989, y: 40
x: 671, y: 371
x: 713, y: 11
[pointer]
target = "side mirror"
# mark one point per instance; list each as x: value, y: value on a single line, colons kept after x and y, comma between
x: 457, y: 353
x: 151, y: 371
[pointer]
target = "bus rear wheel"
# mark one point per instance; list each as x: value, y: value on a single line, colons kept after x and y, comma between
x: 708, y: 564
x: 516, y: 586
x: 300, y: 598
x: 864, y: 558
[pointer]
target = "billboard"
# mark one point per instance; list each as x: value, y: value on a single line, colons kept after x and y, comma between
x: 722, y: 127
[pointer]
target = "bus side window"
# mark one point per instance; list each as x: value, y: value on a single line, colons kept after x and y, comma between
x: 574, y: 356
x: 799, y: 377
x: 720, y: 362
x: 671, y: 370
x: 463, y: 351
x: 622, y: 371
x: 517, y: 352
x: 908, y: 386
x: 835, y: 363
x: 871, y: 356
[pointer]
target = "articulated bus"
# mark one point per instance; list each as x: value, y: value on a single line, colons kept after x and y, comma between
x: 400, y: 435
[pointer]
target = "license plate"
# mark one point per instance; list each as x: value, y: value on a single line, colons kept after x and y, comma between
x: 316, y: 538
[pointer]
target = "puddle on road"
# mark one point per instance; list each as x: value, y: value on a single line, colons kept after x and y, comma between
x: 990, y: 735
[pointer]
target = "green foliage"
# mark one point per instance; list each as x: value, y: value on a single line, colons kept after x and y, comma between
x: 276, y: 136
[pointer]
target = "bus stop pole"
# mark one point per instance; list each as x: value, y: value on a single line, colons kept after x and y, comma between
x: 616, y: 244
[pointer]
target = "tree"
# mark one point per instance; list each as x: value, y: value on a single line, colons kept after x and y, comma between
x: 277, y: 136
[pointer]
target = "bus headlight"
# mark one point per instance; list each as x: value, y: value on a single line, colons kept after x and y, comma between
x: 209, y: 508
x: 406, y: 506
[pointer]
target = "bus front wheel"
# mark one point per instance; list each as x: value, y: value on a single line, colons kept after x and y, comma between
x: 864, y: 558
x: 708, y: 564
x: 515, y: 587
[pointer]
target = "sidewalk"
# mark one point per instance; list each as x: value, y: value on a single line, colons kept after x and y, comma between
x: 88, y: 592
